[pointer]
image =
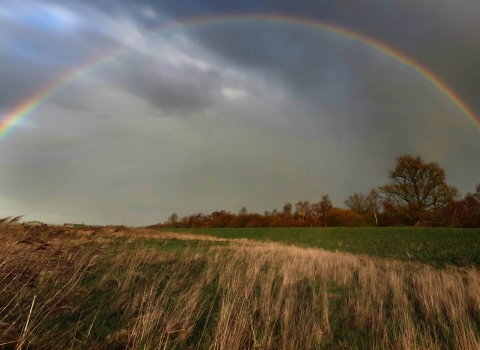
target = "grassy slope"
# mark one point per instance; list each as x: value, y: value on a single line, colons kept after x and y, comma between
x: 75, y: 300
x: 435, y: 246
x: 106, y: 292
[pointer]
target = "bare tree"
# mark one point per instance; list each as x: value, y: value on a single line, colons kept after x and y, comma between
x: 287, y: 209
x: 469, y: 208
x: 325, y: 207
x: 172, y: 219
x: 302, y: 209
x: 418, y: 190
x: 316, y: 210
x: 358, y: 203
x: 243, y: 211
x: 373, y: 201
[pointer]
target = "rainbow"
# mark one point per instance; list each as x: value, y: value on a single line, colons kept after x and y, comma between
x: 30, y: 105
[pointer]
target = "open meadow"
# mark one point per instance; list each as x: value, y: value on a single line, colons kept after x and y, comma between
x: 117, y: 288
x: 434, y: 246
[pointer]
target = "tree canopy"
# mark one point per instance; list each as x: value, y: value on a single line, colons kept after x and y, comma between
x: 358, y: 203
x: 418, y: 190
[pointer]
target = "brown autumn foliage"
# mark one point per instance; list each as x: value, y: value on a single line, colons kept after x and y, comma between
x: 466, y: 213
x: 345, y: 217
x: 417, y: 195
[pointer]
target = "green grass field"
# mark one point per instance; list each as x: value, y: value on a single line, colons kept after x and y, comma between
x: 434, y: 246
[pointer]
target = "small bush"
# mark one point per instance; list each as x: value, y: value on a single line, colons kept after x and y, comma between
x: 345, y: 217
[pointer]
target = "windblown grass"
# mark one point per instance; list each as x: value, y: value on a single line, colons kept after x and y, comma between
x: 69, y: 290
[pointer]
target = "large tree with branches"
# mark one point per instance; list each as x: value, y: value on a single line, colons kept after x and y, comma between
x: 417, y: 189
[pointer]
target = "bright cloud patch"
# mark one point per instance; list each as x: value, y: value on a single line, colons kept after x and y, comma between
x: 233, y: 94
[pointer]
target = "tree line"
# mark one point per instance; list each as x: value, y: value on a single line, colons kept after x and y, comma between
x: 417, y: 194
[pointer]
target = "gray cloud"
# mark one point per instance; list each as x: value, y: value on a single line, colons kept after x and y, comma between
x: 171, y: 89
x: 440, y: 35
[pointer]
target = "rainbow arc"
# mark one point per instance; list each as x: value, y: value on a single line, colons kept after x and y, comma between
x: 27, y: 107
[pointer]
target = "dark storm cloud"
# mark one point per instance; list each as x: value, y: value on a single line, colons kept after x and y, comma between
x: 440, y: 35
x: 171, y: 88
x: 293, y: 56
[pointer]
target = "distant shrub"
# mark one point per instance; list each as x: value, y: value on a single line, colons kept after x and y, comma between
x: 422, y: 223
x: 254, y: 223
x: 345, y: 218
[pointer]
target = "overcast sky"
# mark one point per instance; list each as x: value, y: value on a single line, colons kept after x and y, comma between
x: 232, y: 114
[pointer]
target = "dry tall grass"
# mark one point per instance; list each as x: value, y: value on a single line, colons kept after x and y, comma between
x: 242, y: 296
